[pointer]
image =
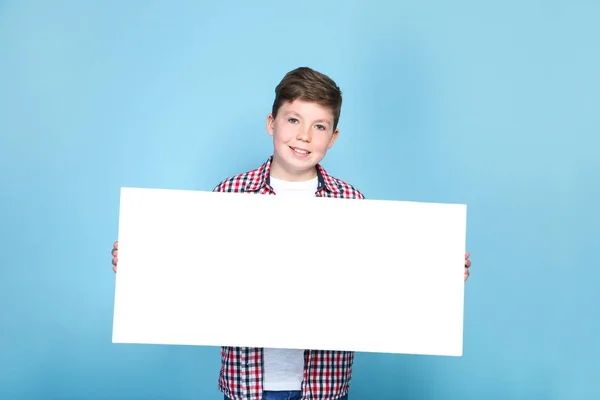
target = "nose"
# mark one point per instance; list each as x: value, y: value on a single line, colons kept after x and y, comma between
x: 304, y: 135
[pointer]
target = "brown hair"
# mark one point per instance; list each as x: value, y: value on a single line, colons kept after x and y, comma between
x: 309, y: 85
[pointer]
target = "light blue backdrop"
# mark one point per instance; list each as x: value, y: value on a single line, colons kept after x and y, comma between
x: 496, y: 106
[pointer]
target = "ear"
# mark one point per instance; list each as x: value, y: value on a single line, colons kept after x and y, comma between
x: 333, y: 138
x: 271, y: 125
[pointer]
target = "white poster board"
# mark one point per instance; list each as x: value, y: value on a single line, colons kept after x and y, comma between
x: 225, y: 269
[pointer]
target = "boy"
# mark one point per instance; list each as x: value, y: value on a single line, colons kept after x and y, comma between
x: 303, y: 124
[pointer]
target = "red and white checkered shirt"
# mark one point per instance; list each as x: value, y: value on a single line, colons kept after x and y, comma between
x: 327, y: 373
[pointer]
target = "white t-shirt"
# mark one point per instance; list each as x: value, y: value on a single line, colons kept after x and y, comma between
x: 284, y: 368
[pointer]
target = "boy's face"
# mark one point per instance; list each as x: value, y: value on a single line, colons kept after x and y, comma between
x: 302, y: 134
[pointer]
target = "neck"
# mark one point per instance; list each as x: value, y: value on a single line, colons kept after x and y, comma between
x: 278, y: 171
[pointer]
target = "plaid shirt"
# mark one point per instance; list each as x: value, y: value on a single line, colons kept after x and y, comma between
x: 327, y: 374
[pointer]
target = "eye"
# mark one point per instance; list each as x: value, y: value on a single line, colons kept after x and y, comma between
x: 321, y: 127
x: 293, y: 120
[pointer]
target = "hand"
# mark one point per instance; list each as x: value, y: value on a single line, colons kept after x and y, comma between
x: 467, y: 265
x: 115, y: 254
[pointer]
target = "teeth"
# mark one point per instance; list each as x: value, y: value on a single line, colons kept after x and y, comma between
x: 299, y: 151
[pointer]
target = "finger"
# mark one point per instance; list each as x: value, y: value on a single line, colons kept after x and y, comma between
x: 115, y: 253
x: 468, y: 263
x: 467, y: 273
x: 114, y: 269
x: 467, y: 255
x: 116, y: 245
x: 115, y: 260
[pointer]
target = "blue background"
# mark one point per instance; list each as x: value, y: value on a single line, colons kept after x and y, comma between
x: 493, y: 105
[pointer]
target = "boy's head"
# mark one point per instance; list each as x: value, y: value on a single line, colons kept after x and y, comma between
x: 303, y: 122
x: 310, y: 86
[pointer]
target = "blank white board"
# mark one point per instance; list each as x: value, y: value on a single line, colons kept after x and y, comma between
x: 230, y: 269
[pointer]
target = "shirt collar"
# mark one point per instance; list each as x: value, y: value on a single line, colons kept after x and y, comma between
x: 261, y: 178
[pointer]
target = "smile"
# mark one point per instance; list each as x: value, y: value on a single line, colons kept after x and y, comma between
x: 300, y: 151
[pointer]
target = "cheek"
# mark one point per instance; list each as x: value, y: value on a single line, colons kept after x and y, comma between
x: 322, y: 142
x: 279, y: 138
x: 284, y: 134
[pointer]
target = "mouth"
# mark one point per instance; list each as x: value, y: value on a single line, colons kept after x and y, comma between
x: 301, y: 152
